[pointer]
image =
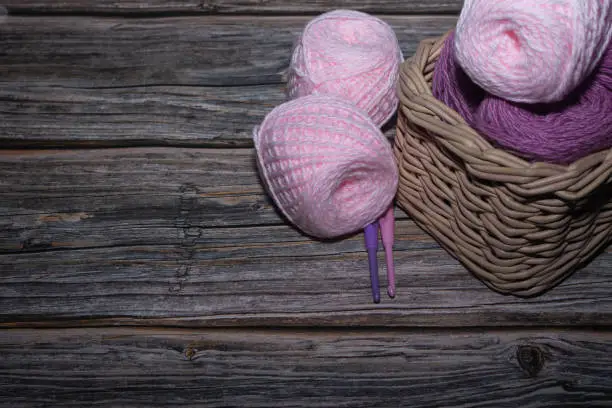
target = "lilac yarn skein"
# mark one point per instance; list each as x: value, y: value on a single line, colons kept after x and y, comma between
x: 559, y: 133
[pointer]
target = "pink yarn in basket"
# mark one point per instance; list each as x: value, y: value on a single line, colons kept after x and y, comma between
x: 532, y: 51
x: 351, y: 55
x: 559, y: 132
x: 326, y: 165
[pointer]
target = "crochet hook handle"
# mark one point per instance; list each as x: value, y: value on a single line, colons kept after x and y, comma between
x: 387, y: 232
x: 371, y: 244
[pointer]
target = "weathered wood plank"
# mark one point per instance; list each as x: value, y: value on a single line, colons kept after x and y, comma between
x: 136, y: 187
x: 89, y: 52
x: 146, y: 116
x: 131, y: 367
x: 108, y: 189
x: 284, y: 281
x: 188, y: 237
x: 257, y: 7
x: 271, y: 277
x: 155, y: 115
x: 198, y: 81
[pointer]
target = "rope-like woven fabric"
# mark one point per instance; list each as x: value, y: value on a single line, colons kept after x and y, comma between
x: 520, y: 227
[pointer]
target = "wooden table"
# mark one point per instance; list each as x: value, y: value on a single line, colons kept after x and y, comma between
x: 143, y: 265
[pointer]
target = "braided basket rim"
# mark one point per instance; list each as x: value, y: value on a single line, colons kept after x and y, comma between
x: 455, y: 154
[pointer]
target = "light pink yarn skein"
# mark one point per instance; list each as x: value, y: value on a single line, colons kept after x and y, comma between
x: 326, y: 165
x: 351, y: 55
x: 532, y: 51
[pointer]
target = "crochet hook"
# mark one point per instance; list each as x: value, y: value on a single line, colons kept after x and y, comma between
x: 370, y: 233
x: 387, y: 232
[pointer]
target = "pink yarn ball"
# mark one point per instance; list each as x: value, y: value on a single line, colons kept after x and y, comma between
x: 326, y: 165
x: 561, y: 132
x: 532, y: 51
x: 351, y: 55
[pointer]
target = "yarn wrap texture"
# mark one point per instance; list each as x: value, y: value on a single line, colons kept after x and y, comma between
x: 327, y: 166
x: 520, y: 227
x: 532, y: 51
x: 350, y: 55
x: 559, y: 132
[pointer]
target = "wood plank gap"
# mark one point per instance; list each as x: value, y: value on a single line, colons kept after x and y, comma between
x: 43, y: 326
x: 226, y: 7
x: 134, y: 14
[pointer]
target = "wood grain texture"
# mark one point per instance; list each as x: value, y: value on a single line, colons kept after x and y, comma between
x: 188, y: 237
x: 89, y: 52
x: 95, y: 193
x: 276, y: 278
x: 155, y: 115
x: 191, y: 81
x: 257, y: 7
x: 181, y: 245
x: 133, y: 187
x: 151, y: 368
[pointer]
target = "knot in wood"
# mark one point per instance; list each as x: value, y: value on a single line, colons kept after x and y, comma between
x: 209, y: 6
x: 33, y: 244
x: 530, y: 359
x: 190, y: 353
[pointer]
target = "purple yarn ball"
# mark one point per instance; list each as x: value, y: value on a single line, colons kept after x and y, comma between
x: 560, y: 132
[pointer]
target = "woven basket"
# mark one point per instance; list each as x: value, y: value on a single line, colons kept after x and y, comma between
x: 520, y: 227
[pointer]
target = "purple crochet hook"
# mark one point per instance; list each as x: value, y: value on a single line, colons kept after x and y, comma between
x: 387, y: 232
x: 370, y: 233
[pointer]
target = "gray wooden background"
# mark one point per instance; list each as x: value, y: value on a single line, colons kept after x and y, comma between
x: 142, y: 265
